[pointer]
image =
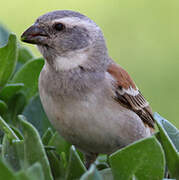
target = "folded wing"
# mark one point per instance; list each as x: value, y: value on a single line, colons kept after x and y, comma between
x: 128, y: 95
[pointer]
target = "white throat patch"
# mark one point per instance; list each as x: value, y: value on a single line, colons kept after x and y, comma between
x: 73, y: 60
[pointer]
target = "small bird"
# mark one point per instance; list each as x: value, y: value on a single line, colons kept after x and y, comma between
x: 91, y: 101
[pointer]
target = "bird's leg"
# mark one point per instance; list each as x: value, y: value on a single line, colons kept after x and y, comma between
x: 89, y: 159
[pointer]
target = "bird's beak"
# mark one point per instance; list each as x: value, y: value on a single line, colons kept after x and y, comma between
x: 34, y: 35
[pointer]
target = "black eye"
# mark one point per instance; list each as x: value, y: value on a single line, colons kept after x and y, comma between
x: 59, y: 26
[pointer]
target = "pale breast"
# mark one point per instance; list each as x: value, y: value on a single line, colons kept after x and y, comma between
x: 93, y: 126
x: 95, y: 122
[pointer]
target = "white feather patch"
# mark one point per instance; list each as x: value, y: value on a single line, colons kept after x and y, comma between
x: 71, y: 61
x: 74, y: 21
x: 129, y: 91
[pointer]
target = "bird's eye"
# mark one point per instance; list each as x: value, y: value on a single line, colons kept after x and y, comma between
x: 59, y: 26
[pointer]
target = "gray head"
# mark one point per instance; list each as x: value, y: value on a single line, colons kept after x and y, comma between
x: 64, y: 34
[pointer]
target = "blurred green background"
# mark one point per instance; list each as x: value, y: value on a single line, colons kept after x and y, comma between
x: 141, y: 35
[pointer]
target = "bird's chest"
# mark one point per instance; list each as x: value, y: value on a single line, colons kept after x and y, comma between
x: 69, y: 101
x: 90, y: 119
x: 68, y: 114
x: 84, y: 122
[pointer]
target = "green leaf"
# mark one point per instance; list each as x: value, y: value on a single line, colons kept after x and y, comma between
x: 32, y: 173
x: 17, y: 132
x: 60, y: 144
x: 62, y: 147
x: 35, y: 114
x: 0, y: 149
x: 64, y: 159
x: 8, y: 58
x: 15, y: 106
x: 5, y: 127
x: 56, y: 164
x: 47, y: 136
x: 101, y: 162
x: 24, y: 55
x: 13, y: 153
x: 142, y: 160
x: 5, y: 172
x: 4, y: 34
x: 106, y: 174
x: 3, y: 107
x: 28, y: 75
x: 9, y: 90
x: 91, y: 174
x: 82, y: 157
x: 101, y: 166
x: 22, y: 175
x: 35, y: 172
x: 33, y: 148
x: 169, y: 136
x: 75, y: 166
x: 169, y: 129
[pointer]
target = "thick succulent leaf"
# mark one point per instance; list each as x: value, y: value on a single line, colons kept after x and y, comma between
x: 82, y: 156
x: 64, y: 159
x: 33, y: 148
x: 101, y: 162
x: 92, y: 174
x: 75, y: 167
x: 6, y: 129
x: 169, y: 136
x: 169, y: 129
x: 28, y: 75
x: 17, y: 132
x: 47, y: 136
x: 35, y: 114
x: 15, y: 106
x: 4, y: 34
x: 13, y: 153
x: 3, y: 107
x: 59, y: 143
x: 9, y: 90
x: 0, y: 149
x: 56, y: 164
x: 142, y: 160
x: 35, y: 172
x: 8, y: 59
x: 5, y: 172
x: 101, y: 158
x: 24, y: 55
x: 102, y: 166
x: 107, y: 174
x: 22, y: 175
x: 32, y: 173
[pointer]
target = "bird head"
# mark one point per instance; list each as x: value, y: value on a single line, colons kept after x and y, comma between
x: 64, y: 34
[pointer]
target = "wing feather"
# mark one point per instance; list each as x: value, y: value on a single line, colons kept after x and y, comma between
x: 128, y: 95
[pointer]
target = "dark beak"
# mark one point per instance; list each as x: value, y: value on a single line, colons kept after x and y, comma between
x: 34, y: 35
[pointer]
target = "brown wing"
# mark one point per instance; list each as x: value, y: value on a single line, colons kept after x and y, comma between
x: 128, y: 95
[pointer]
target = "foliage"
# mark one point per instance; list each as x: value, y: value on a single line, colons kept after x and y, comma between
x: 30, y: 149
